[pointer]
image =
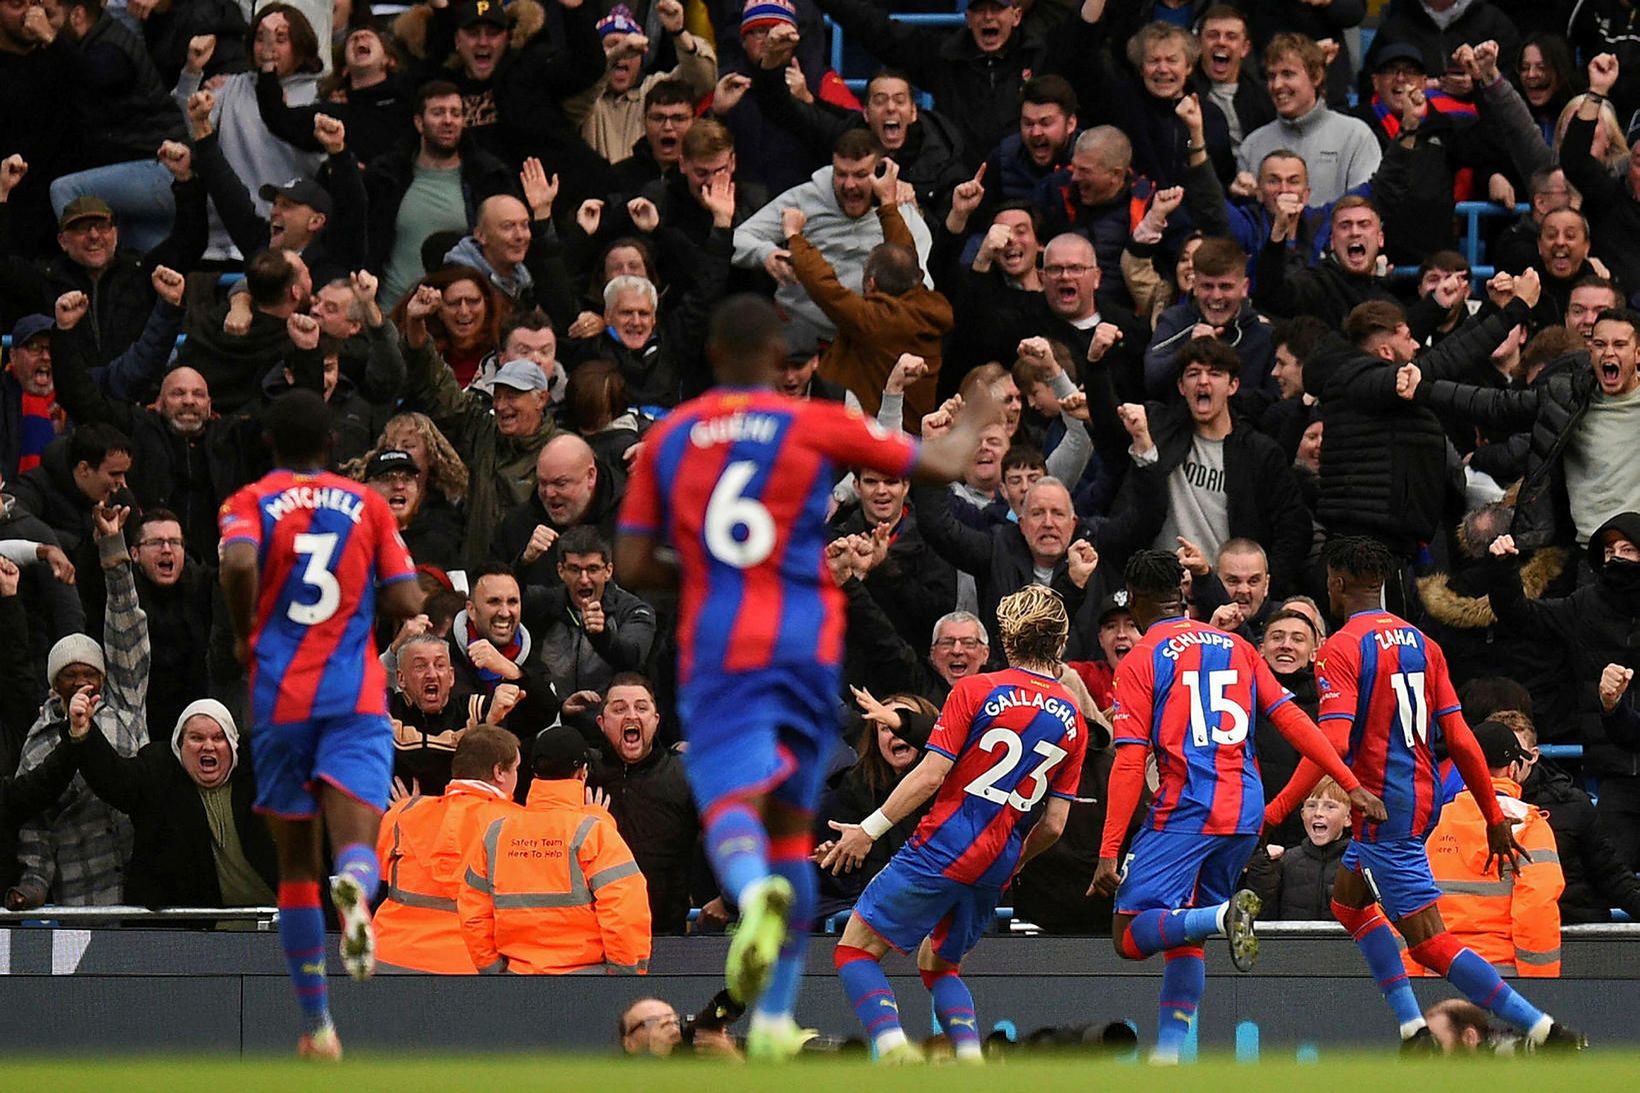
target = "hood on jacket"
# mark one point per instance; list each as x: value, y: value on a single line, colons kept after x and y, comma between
x: 1624, y: 525
x: 1444, y: 597
x: 469, y: 253
x: 217, y: 712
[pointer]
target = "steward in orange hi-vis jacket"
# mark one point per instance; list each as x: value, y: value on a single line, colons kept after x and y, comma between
x: 554, y: 889
x: 424, y: 846
x: 1512, y: 921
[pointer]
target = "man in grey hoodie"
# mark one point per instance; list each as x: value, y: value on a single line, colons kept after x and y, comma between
x: 837, y: 204
x: 1339, y: 151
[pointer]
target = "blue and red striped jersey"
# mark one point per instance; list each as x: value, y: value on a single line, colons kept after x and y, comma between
x: 1014, y: 737
x: 1192, y: 694
x: 323, y: 544
x: 1389, y: 681
x: 738, y: 482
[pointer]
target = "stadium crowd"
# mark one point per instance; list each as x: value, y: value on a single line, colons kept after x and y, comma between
x: 1205, y: 257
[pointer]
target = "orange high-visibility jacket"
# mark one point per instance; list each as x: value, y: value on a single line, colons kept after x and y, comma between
x: 554, y: 889
x: 1513, y: 922
x: 423, y: 847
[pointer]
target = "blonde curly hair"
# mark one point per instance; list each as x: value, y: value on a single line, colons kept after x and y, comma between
x: 446, y: 473
x: 1033, y: 625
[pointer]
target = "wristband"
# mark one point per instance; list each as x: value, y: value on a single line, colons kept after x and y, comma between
x: 876, y: 825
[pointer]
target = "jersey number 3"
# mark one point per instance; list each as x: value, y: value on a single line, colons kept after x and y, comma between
x: 985, y: 786
x: 316, y: 551
x: 727, y: 509
x: 1217, y: 702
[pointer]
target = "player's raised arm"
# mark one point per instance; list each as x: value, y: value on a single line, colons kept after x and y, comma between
x: 1322, y: 753
x: 949, y: 442
x: 854, y: 840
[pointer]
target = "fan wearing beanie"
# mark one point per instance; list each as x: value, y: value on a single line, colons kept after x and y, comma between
x: 76, y: 855
x: 627, y: 113
x: 197, y: 841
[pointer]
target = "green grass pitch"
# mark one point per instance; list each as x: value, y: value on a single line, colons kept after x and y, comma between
x: 447, y: 1073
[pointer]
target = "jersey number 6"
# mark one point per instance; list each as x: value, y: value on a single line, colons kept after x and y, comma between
x: 985, y: 786
x: 727, y: 510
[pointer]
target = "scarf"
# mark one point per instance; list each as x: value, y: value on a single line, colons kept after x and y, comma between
x: 1463, y: 179
x: 41, y: 419
x: 509, y: 650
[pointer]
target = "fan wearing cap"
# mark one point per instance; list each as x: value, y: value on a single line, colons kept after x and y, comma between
x: 973, y: 73
x: 1451, y: 146
x: 514, y: 76
x: 433, y: 534
x: 324, y: 224
x: 1514, y: 924
x: 554, y: 889
x: 197, y: 842
x: 498, y: 436
x: 28, y: 397
x: 116, y: 281
x: 1118, y: 634
x: 620, y: 112
x: 78, y: 854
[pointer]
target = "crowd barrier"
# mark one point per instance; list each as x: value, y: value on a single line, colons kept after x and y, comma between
x: 92, y: 992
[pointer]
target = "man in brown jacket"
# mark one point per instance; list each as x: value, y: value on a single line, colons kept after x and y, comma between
x: 893, y: 313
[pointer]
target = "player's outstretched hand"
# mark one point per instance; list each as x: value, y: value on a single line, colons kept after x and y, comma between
x: 1105, y: 878
x: 850, y: 850
x: 1502, y: 846
x: 1371, y: 807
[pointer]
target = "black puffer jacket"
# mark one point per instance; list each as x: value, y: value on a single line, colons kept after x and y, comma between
x: 1383, y: 466
x: 655, y: 814
x: 1278, y: 759
x: 1551, y: 408
x: 1299, y: 886
x: 1596, y: 878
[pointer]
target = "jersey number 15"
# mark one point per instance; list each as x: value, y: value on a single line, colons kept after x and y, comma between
x: 1219, y: 703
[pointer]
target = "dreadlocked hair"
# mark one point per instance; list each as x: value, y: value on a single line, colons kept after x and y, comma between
x: 1361, y: 558
x: 1154, y: 573
x: 1033, y: 625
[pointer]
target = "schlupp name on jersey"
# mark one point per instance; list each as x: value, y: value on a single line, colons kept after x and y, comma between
x: 315, y: 497
x: 1053, y: 707
x: 1175, y: 646
x: 758, y: 428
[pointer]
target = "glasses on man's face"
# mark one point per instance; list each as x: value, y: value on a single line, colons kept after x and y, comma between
x: 1065, y: 271
x: 157, y: 544
x: 575, y: 572
x: 958, y: 643
x: 670, y: 121
x: 669, y: 1020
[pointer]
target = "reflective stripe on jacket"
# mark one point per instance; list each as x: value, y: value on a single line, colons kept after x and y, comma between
x: 554, y: 889
x: 1514, y: 921
x: 423, y: 848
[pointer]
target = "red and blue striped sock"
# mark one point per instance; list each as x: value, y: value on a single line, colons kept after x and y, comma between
x: 1465, y: 969
x: 358, y: 861
x: 1184, y: 978
x: 1376, y: 941
x: 737, y: 846
x: 302, y: 934
x: 1158, y: 930
x: 870, y: 995
x: 954, y: 1006
x: 789, y: 858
